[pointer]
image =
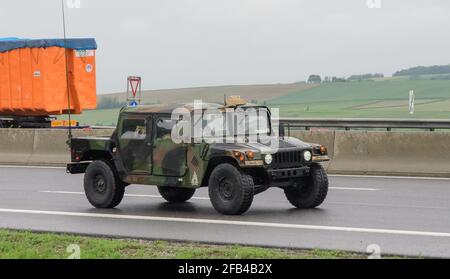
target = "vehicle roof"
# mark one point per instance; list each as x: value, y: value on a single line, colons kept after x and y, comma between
x: 168, y: 109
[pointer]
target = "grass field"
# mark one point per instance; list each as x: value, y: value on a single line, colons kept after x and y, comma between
x: 379, y: 98
x: 99, y: 117
x: 260, y: 93
x: 386, y: 98
x: 28, y: 245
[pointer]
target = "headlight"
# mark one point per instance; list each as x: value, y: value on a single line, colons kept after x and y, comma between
x: 307, y: 156
x: 268, y: 159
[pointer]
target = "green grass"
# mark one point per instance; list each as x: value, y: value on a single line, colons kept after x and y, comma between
x: 29, y: 245
x: 380, y: 98
x: 395, y: 89
x: 386, y: 98
x: 350, y: 110
x: 100, y: 117
x: 259, y: 92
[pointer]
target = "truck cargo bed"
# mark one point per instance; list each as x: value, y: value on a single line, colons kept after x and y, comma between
x: 33, y: 78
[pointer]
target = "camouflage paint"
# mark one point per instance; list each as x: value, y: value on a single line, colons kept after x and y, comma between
x: 152, y: 160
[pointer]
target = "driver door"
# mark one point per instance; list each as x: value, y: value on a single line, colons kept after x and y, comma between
x: 169, y: 158
x: 135, y: 144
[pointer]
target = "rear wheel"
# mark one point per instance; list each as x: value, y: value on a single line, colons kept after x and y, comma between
x: 176, y: 195
x: 230, y: 191
x: 310, y: 192
x: 102, y: 185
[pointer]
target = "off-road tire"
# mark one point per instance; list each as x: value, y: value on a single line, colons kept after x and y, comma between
x: 102, y: 185
x: 311, y: 191
x: 176, y: 195
x: 230, y: 190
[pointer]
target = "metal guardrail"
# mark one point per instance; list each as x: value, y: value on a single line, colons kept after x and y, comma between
x: 365, y: 123
x: 355, y: 123
x: 103, y: 127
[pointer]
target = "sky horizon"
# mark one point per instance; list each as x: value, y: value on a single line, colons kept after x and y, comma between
x: 199, y: 43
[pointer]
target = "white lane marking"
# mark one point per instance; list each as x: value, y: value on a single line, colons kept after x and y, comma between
x: 353, y: 189
x: 330, y: 175
x: 388, y: 177
x: 62, y: 192
x: 226, y: 222
x: 389, y: 205
x: 126, y: 195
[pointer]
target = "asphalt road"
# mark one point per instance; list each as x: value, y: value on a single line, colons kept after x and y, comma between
x: 401, y: 216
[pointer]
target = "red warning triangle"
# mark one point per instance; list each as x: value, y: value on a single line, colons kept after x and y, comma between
x: 134, y: 83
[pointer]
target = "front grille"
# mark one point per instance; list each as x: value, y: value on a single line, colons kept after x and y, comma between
x: 287, y: 159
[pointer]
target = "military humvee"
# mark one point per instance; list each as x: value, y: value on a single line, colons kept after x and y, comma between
x: 142, y: 150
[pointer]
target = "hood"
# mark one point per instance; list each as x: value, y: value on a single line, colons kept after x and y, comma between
x: 277, y: 144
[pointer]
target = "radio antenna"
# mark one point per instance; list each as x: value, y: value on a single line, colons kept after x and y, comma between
x: 67, y: 69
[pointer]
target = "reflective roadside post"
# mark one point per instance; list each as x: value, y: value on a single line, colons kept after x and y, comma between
x: 412, y: 100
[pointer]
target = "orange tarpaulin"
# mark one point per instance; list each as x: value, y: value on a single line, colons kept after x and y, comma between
x: 33, y: 81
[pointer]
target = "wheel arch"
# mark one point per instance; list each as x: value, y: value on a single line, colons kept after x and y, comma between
x: 102, y: 155
x: 95, y: 155
x: 214, y: 162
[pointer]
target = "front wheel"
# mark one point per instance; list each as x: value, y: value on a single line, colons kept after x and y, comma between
x: 176, y: 195
x: 102, y: 185
x: 230, y: 191
x: 310, y: 192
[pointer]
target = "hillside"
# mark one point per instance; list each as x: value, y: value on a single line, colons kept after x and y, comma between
x: 424, y: 70
x: 253, y: 93
x: 384, y: 98
x: 257, y: 93
x: 389, y: 89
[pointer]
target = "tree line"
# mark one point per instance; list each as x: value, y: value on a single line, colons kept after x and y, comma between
x: 422, y: 70
x: 327, y: 79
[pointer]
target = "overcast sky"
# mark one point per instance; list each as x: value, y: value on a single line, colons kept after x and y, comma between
x: 187, y: 43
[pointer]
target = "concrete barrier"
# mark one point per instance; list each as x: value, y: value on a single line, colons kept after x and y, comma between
x: 352, y: 152
x: 50, y: 147
x: 392, y: 153
x: 16, y: 145
x: 384, y: 153
x: 43, y: 147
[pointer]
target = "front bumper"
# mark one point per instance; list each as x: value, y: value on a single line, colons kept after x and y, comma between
x: 320, y: 158
x: 290, y: 173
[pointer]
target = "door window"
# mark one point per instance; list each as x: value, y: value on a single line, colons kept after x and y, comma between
x: 134, y: 129
x: 164, y: 128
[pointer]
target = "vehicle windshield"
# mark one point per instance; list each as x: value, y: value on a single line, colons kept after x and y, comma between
x: 237, y: 122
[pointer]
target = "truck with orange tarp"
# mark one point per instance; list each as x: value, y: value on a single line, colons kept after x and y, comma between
x: 41, y: 79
